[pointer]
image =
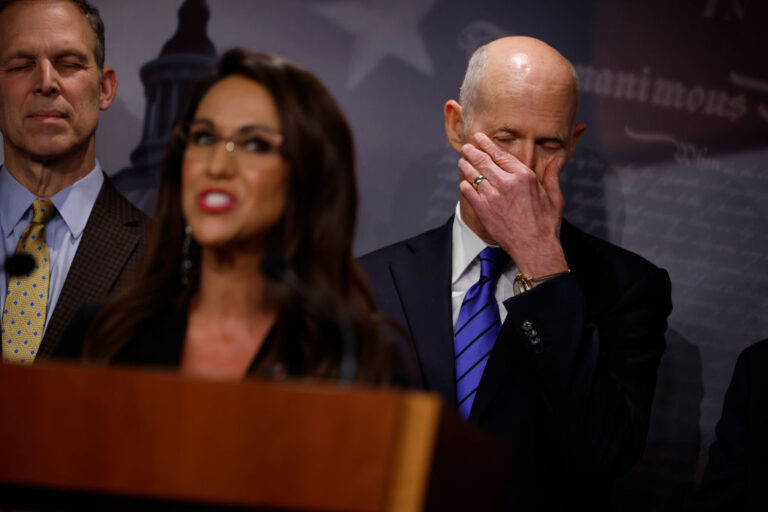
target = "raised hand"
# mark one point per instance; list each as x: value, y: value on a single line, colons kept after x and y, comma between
x: 520, y: 211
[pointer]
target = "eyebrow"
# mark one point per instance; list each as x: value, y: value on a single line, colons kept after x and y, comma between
x: 507, y: 129
x: 72, y: 53
x: 243, y: 129
x: 24, y: 54
x: 544, y: 140
x: 17, y: 54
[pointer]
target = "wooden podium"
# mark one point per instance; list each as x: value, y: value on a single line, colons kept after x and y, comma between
x: 74, y: 437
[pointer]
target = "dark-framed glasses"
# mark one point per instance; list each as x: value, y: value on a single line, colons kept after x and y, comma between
x: 201, y: 137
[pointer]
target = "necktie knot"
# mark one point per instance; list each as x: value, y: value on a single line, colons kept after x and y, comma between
x: 42, y: 210
x: 492, y: 262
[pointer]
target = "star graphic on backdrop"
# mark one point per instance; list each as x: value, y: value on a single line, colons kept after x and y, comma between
x: 382, y: 28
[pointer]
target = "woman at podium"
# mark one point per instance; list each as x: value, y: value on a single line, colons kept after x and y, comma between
x: 250, y: 269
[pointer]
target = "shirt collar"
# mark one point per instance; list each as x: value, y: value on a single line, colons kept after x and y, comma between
x: 14, y: 201
x: 466, y: 246
x: 70, y: 202
x: 75, y: 202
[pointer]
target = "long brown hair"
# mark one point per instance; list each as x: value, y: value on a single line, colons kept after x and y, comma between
x: 314, y: 236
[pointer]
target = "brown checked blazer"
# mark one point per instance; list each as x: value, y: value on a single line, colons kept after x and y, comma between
x: 113, y: 241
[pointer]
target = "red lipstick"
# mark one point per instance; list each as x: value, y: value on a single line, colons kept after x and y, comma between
x: 215, y: 200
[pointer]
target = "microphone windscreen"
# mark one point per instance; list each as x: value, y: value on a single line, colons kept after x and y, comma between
x: 19, y: 264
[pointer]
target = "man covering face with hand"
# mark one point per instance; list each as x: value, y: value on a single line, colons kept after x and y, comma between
x: 545, y: 336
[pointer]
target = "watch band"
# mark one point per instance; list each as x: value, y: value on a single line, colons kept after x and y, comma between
x: 524, y: 282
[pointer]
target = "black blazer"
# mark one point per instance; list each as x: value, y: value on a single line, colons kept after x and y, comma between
x: 736, y: 477
x: 159, y: 343
x: 574, y: 407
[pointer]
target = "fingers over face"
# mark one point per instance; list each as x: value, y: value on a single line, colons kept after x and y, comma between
x: 551, y: 179
x: 490, y: 159
x: 468, y: 171
x: 483, y: 164
x: 472, y: 195
x: 479, y: 159
x: 498, y: 155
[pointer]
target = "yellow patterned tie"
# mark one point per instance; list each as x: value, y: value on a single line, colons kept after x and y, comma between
x: 27, y: 296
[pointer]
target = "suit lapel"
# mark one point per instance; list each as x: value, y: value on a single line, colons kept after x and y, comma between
x: 423, y: 281
x: 505, y: 359
x: 110, y: 237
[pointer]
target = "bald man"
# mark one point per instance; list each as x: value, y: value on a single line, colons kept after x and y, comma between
x: 545, y: 336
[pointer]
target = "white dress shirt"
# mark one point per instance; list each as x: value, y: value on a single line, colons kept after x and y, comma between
x: 62, y: 233
x: 466, y: 268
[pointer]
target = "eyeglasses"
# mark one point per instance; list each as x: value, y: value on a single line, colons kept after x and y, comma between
x: 250, y: 141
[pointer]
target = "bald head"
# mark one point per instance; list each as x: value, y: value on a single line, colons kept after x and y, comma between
x: 523, y: 95
x: 517, y: 65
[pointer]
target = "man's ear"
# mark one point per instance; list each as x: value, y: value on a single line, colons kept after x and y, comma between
x: 108, y: 88
x: 577, y: 131
x: 454, y: 124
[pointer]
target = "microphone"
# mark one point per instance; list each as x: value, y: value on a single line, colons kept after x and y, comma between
x: 274, y: 268
x: 19, y: 264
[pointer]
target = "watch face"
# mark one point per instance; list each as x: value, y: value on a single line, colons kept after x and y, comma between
x: 521, y: 284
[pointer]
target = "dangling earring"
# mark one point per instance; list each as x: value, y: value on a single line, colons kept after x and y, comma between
x: 186, y: 257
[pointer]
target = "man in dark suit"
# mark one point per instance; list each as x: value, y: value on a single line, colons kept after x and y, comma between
x: 545, y: 336
x: 55, y: 201
x: 736, y: 477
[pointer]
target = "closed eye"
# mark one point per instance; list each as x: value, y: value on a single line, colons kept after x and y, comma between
x: 71, y: 60
x: 551, y: 145
x: 19, y: 65
x: 70, y: 65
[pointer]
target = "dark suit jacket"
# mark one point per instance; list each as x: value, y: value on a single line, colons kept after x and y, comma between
x: 736, y: 477
x: 107, y: 256
x: 574, y: 407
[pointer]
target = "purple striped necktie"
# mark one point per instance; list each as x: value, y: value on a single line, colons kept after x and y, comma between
x: 477, y: 328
